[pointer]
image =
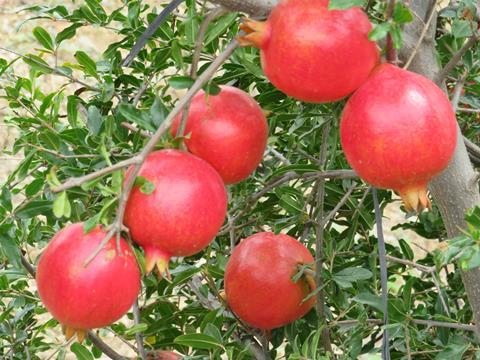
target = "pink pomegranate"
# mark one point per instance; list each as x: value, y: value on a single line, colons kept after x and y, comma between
x: 312, y: 53
x: 228, y: 130
x: 183, y: 213
x: 398, y: 131
x: 86, y: 296
x: 258, y: 280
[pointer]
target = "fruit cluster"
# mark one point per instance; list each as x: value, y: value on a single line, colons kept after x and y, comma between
x: 398, y: 131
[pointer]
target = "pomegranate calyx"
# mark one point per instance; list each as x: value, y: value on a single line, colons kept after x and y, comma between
x: 156, y: 259
x: 415, y: 199
x: 256, y: 33
x: 70, y: 332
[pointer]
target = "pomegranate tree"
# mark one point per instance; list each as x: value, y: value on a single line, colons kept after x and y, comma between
x: 312, y: 53
x: 398, y: 131
x: 258, y: 280
x: 228, y: 130
x: 85, y: 296
x: 182, y: 214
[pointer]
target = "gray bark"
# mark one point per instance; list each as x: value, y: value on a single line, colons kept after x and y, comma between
x: 452, y: 191
x: 255, y: 8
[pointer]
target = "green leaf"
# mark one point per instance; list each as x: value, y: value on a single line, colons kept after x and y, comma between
x: 198, y: 341
x: 347, y: 276
x: 61, y: 206
x: 72, y: 111
x: 181, y: 82
x: 397, y: 37
x: 67, y: 33
x: 34, y: 208
x: 344, y: 4
x: 368, y: 298
x: 454, y: 350
x: 88, y: 64
x: 94, y: 121
x: 81, y: 352
x: 379, y: 31
x: 37, y: 63
x: 136, y: 329
x: 461, y: 28
x: 219, y: 27
x: 158, y: 112
x: 146, y: 186
x: 211, y: 88
x: 139, y: 117
x: 402, y: 14
x: 43, y: 37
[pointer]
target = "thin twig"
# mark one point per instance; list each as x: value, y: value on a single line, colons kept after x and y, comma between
x: 428, y: 323
x: 455, y: 59
x: 457, y: 91
x: 427, y: 269
x: 152, y: 28
x: 467, y: 110
x: 202, y: 31
x: 250, y: 201
x: 337, y: 207
x: 422, y: 35
x: 133, y: 128
x: 77, y: 181
x: 278, y: 155
x: 138, y: 334
x: 53, y: 70
x: 60, y: 155
x: 107, y: 350
x: 391, y: 52
x: 320, y: 303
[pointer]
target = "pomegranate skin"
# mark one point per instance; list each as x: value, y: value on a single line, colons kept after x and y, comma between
x: 311, y: 53
x: 228, y: 130
x: 258, y: 280
x: 183, y: 213
x: 86, y: 297
x: 163, y: 355
x: 398, y: 131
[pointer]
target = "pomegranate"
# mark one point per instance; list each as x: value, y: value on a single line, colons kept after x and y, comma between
x: 258, y: 280
x: 228, y: 130
x: 183, y: 213
x: 85, y: 296
x: 398, y: 131
x: 312, y: 53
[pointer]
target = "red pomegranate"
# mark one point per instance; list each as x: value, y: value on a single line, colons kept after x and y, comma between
x: 86, y: 296
x: 228, y: 130
x: 258, y: 280
x: 398, y: 131
x: 183, y: 213
x: 312, y: 53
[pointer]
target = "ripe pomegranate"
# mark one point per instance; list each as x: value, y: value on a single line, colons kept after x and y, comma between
x: 398, y: 131
x: 85, y: 296
x: 312, y: 53
x: 228, y: 130
x: 183, y: 213
x: 258, y: 280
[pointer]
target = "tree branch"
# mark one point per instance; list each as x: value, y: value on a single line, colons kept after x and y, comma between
x: 455, y: 59
x: 422, y: 35
x: 320, y: 303
x: 257, y: 8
